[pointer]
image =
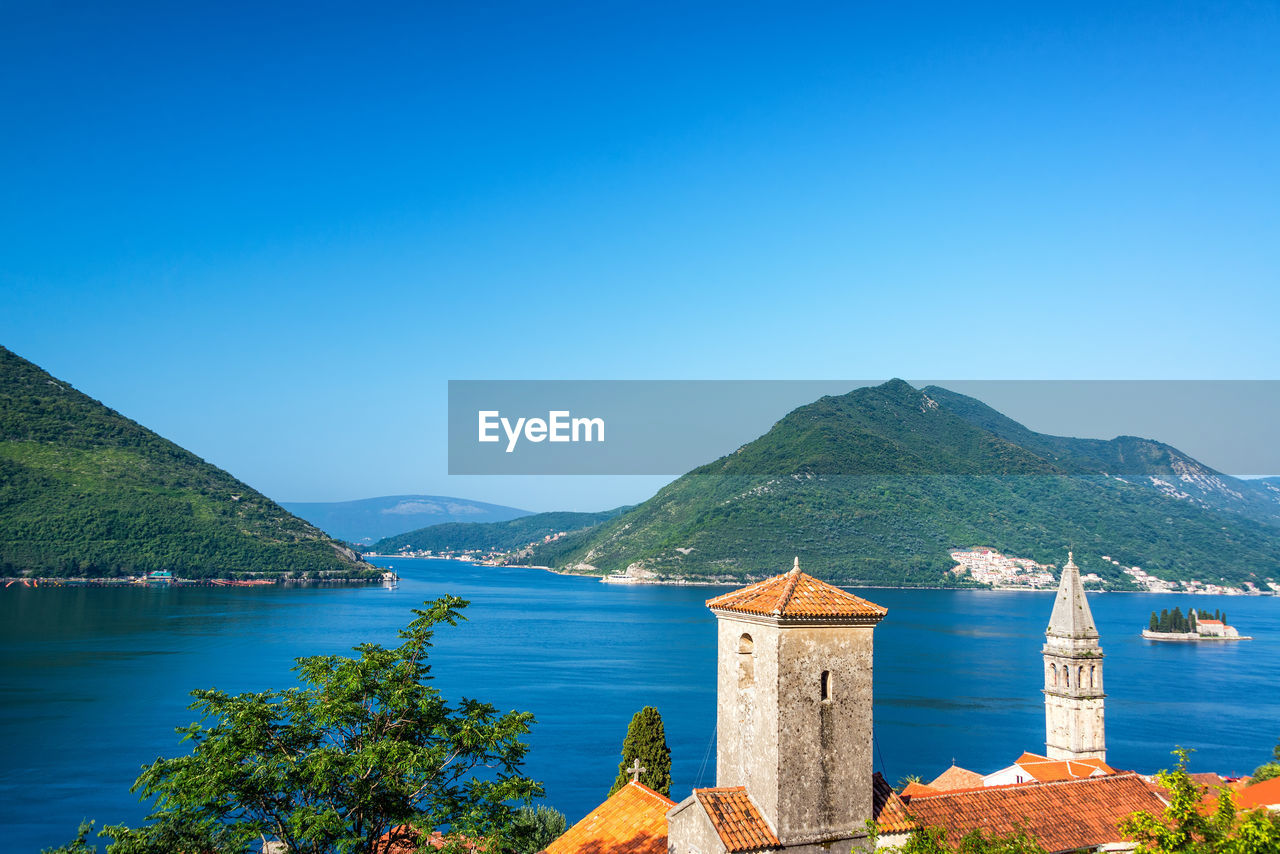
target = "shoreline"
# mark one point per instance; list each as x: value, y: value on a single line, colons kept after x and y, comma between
x: 684, y: 583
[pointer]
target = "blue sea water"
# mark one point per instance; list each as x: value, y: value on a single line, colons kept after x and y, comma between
x: 94, y: 680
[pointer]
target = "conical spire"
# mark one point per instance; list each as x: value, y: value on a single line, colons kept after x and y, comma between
x: 1071, y: 616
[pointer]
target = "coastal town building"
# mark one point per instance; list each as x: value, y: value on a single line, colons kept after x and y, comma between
x: 1073, y: 698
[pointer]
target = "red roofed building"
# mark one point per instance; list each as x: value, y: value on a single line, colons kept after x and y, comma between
x: 1264, y: 794
x: 1068, y: 815
x: 1034, y: 768
x: 632, y: 821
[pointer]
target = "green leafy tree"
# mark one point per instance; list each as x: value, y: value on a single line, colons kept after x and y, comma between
x: 1155, y: 622
x: 1270, y: 770
x: 1188, y: 826
x: 78, y: 845
x: 363, y: 748
x: 647, y: 741
x: 536, y: 828
x: 933, y: 840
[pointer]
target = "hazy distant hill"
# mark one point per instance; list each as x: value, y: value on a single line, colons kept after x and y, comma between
x: 84, y: 491
x: 503, y: 536
x: 371, y: 519
x: 876, y: 486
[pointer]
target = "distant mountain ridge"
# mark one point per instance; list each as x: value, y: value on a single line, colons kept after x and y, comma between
x: 85, y: 491
x: 510, y: 535
x: 876, y: 486
x: 369, y: 519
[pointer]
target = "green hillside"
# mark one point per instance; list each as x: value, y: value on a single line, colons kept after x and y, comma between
x: 491, y: 536
x: 877, y: 485
x: 84, y: 491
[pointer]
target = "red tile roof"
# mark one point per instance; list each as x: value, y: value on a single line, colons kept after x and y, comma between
x: 1044, y: 770
x: 956, y: 777
x: 1264, y: 794
x: 888, y: 808
x: 1061, y: 816
x: 736, y: 819
x: 797, y: 596
x: 405, y: 839
x: 914, y: 788
x: 632, y: 821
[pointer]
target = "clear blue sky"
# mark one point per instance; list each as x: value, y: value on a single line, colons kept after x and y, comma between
x: 273, y: 234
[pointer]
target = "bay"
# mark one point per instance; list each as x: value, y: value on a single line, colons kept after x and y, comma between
x: 94, y: 680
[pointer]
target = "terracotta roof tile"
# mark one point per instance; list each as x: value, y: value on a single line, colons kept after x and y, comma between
x: 914, y: 788
x: 956, y: 777
x: 1044, y: 770
x: 1061, y: 816
x: 632, y: 821
x: 797, y: 596
x: 736, y: 819
x: 1264, y: 794
x: 888, y: 808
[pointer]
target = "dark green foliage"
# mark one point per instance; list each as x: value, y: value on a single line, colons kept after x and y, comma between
x: 646, y: 740
x: 878, y: 485
x: 1189, y: 826
x: 78, y: 845
x: 1175, y: 621
x: 536, y: 828
x: 364, y: 746
x: 487, y: 536
x: 84, y: 491
x: 933, y: 840
x: 1270, y: 770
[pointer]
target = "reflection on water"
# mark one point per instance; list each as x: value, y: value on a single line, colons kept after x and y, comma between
x: 93, y: 680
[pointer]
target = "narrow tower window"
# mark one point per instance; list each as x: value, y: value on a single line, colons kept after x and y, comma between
x: 1054, y: 669
x: 826, y: 686
x: 1066, y: 676
x: 1080, y: 677
x: 745, y: 645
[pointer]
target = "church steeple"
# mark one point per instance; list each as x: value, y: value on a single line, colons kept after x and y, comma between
x: 1071, y: 616
x: 1073, y: 698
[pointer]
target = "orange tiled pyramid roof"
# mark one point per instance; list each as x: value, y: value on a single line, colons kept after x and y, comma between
x: 795, y: 595
x: 1061, y: 816
x: 632, y: 821
x: 956, y: 777
x: 736, y: 819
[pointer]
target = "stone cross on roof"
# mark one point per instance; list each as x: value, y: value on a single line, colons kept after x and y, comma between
x: 636, y: 770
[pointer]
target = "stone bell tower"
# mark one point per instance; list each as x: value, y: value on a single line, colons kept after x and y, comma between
x: 793, y: 718
x: 1073, y: 698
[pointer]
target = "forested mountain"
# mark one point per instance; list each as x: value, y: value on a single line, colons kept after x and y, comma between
x: 876, y: 486
x: 488, y: 536
x: 84, y: 491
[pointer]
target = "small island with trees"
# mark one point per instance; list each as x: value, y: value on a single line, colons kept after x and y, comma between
x: 1174, y: 626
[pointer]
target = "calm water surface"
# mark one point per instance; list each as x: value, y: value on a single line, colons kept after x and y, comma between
x: 93, y: 681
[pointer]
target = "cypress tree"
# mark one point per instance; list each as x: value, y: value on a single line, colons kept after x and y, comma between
x: 1193, y: 621
x: 1155, y: 622
x: 647, y: 741
x: 1176, y: 619
x: 1224, y: 618
x: 1164, y: 620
